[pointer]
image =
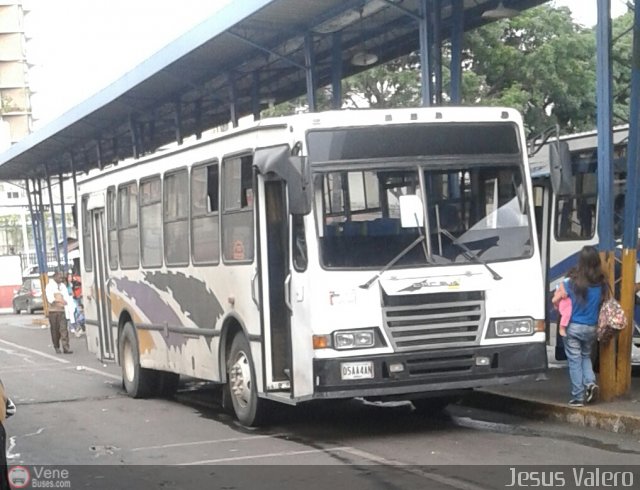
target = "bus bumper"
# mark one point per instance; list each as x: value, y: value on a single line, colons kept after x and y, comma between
x: 431, y: 371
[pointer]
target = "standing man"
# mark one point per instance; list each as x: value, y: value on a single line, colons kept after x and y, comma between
x: 57, y: 297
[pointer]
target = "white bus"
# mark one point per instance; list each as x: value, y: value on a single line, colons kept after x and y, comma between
x: 377, y: 254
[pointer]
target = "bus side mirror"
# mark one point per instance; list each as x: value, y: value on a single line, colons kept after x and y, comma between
x: 299, y: 188
x: 294, y: 170
x: 560, y: 168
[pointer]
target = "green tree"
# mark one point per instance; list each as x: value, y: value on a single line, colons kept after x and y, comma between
x: 621, y: 53
x: 539, y: 62
x: 393, y: 84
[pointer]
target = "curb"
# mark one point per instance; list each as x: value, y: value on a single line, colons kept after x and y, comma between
x: 623, y: 423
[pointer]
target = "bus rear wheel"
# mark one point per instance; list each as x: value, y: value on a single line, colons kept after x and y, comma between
x: 249, y: 409
x: 138, y: 381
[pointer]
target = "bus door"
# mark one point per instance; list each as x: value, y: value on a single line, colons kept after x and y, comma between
x: 542, y: 196
x: 101, y: 284
x: 274, y: 276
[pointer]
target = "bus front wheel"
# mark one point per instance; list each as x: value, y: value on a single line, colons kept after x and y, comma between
x: 249, y: 409
x: 138, y: 381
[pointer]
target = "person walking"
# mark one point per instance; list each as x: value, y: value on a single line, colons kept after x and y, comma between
x: 58, y: 297
x: 586, y: 286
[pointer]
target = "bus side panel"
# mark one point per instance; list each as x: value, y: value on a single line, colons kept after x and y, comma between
x: 177, y: 316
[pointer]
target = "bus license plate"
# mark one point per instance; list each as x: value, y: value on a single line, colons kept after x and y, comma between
x: 357, y: 370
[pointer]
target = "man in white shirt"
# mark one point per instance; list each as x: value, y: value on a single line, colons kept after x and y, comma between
x: 57, y: 297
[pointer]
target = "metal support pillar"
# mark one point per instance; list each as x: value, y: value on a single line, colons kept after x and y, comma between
x: 135, y: 136
x: 177, y: 116
x: 52, y: 210
x: 425, y: 65
x: 37, y: 246
x: 436, y: 47
x: 255, y: 95
x: 34, y: 225
x: 233, y: 99
x: 310, y: 71
x: 630, y: 236
x: 75, y: 195
x: 37, y: 232
x: 63, y: 220
x: 197, y: 115
x: 336, y: 70
x: 43, y: 227
x: 42, y: 222
x: 99, y: 153
x: 605, y: 177
x: 454, y: 181
x: 457, y: 31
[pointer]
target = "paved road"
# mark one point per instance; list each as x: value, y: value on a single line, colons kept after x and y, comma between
x: 72, y: 411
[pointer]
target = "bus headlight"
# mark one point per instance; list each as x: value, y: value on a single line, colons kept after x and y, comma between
x: 512, y: 327
x: 354, y: 339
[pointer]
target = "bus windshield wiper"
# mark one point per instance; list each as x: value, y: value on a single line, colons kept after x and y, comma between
x: 392, y: 262
x: 470, y: 254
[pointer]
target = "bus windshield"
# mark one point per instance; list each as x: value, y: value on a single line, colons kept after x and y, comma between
x: 468, y: 175
x: 481, y: 208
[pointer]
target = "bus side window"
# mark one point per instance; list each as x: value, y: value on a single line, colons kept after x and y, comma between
x: 176, y: 218
x: 151, y: 222
x: 204, y: 214
x: 237, y: 212
x: 128, y: 243
x: 575, y: 213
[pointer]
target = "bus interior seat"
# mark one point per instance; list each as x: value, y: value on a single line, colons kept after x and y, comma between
x: 354, y: 228
x: 383, y: 227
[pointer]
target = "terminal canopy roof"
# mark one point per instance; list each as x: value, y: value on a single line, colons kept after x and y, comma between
x: 249, y: 53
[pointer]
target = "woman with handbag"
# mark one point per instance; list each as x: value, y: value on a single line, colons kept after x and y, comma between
x: 584, y: 286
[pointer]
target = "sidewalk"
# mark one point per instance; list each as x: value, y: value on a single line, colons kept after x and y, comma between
x: 548, y: 396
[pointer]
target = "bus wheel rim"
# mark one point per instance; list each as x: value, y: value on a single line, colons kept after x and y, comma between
x: 240, y: 379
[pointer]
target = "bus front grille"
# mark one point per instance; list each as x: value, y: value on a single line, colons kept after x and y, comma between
x: 433, y: 321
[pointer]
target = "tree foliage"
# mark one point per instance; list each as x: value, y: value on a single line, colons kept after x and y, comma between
x: 394, y: 84
x: 539, y: 62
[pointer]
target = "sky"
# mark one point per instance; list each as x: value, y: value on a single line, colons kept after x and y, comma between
x: 78, y: 47
x: 585, y: 12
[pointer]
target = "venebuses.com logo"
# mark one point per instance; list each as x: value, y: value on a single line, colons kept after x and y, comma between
x: 19, y: 476
x: 38, y: 477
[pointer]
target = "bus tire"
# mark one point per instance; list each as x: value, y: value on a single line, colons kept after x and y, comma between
x: 248, y: 408
x: 168, y: 384
x: 138, y: 381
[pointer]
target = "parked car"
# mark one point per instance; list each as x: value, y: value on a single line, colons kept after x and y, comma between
x: 28, y: 297
x: 34, y: 271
